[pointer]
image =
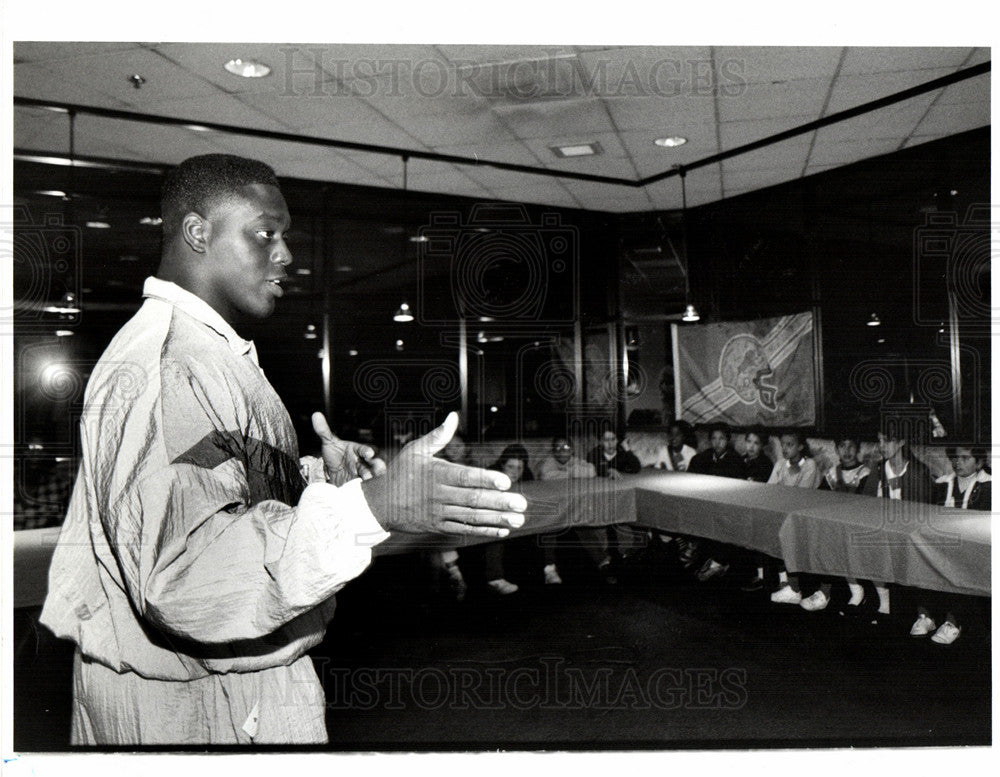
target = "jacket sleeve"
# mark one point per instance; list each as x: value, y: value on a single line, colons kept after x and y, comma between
x: 203, y: 550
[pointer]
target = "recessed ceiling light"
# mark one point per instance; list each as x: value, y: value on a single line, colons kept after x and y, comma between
x: 352, y: 352
x: 419, y: 239
x: 248, y: 68
x: 151, y: 221
x: 98, y: 225
x: 671, y: 142
x: 303, y: 271
x: 64, y: 333
x: 581, y: 149
x: 51, y: 193
x: 198, y: 128
x: 343, y: 268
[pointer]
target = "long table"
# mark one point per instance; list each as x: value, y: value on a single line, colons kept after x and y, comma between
x: 823, y: 532
x: 813, y: 531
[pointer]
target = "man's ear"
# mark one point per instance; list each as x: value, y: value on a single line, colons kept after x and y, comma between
x: 196, y: 231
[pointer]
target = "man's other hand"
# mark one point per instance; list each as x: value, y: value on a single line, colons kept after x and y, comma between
x: 421, y: 493
x: 345, y: 460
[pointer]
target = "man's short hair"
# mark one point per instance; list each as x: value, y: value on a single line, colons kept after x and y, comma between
x: 199, y: 182
x: 978, y: 452
x: 720, y: 426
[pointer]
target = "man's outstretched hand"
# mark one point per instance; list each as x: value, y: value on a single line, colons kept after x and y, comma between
x: 421, y: 493
x: 345, y: 460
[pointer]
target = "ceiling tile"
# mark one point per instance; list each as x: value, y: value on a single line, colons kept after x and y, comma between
x: 894, y: 121
x: 852, y: 91
x: 881, y: 59
x: 208, y: 60
x: 977, y: 57
x: 510, y: 151
x: 789, y: 153
x: 96, y: 136
x: 661, y: 115
x: 40, y: 130
x: 803, y: 97
x: 650, y: 158
x: 738, y: 133
x: 848, y: 151
x: 747, y: 180
x: 917, y: 140
x: 445, y: 129
x: 971, y: 90
x: 541, y: 119
x: 109, y: 73
x: 770, y: 64
x: 218, y: 108
x: 38, y: 82
x: 43, y: 51
x: 954, y: 118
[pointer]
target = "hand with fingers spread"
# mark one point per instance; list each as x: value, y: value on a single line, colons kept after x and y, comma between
x: 423, y: 493
x: 345, y: 460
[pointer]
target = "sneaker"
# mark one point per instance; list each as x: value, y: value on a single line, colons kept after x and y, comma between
x: 786, y: 595
x: 753, y: 585
x: 817, y: 601
x: 710, y: 569
x: 552, y: 575
x: 455, y: 581
x: 502, y: 587
x: 922, y: 626
x: 947, y: 633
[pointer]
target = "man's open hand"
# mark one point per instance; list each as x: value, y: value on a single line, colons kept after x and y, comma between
x: 421, y: 493
x: 345, y: 460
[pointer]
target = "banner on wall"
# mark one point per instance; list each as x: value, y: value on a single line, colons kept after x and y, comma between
x: 746, y: 372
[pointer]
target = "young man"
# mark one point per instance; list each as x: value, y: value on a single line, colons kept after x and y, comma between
x: 898, y: 476
x: 679, y: 453
x: 561, y: 464
x: 968, y: 487
x: 610, y: 459
x: 849, y: 476
x: 196, y: 566
x: 720, y: 460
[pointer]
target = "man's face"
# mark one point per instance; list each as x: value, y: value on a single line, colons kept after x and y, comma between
x: 964, y: 463
x: 513, y: 468
x: 790, y: 447
x: 719, y: 442
x: 246, y: 254
x: 847, y: 450
x: 562, y: 450
x: 888, y: 446
x: 609, y: 441
x: 753, y: 446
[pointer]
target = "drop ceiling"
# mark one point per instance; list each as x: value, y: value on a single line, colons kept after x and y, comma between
x: 453, y: 108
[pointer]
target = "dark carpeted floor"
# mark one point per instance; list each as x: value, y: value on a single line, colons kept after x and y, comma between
x: 657, y: 661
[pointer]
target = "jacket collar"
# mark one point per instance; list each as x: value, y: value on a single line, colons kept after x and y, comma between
x: 198, y: 309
